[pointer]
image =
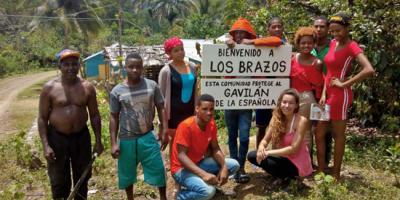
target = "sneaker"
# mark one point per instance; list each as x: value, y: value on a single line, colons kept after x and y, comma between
x: 242, y: 177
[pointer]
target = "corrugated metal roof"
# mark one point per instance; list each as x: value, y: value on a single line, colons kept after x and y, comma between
x: 151, y: 54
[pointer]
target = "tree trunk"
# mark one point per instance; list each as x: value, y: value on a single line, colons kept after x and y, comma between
x: 66, y: 35
x: 351, y: 3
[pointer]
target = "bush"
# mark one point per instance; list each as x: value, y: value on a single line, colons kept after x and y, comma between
x: 390, y: 123
x: 202, y: 26
x: 327, y: 188
x: 393, y: 161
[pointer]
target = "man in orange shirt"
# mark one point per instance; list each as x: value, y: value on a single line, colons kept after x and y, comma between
x: 190, y: 167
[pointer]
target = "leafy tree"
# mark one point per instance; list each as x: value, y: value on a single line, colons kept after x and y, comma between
x: 373, y: 27
x: 234, y: 9
x: 75, y: 16
x: 202, y: 26
x: 168, y: 9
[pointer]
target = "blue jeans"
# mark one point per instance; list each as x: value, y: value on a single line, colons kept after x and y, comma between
x: 193, y: 187
x: 238, y: 123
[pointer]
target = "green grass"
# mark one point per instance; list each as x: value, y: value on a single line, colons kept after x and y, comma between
x: 33, y: 92
x: 30, y: 71
x: 365, y: 177
x: 25, y: 107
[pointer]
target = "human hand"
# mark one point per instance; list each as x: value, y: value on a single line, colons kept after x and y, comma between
x: 335, y: 82
x: 230, y: 43
x: 98, y: 148
x: 210, y: 179
x: 322, y: 100
x: 247, y: 41
x: 164, y: 141
x: 115, y: 151
x: 49, y: 153
x: 163, y: 137
x: 261, y: 155
x: 223, y: 175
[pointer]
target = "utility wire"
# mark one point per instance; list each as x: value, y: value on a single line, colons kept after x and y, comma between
x: 55, y: 18
x: 90, y: 9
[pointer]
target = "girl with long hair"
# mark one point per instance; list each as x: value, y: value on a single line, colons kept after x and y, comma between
x: 282, y: 152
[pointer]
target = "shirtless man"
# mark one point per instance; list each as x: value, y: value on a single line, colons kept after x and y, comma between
x: 62, y: 126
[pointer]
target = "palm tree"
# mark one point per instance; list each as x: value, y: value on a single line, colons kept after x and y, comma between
x: 211, y: 8
x: 74, y: 15
x: 167, y: 9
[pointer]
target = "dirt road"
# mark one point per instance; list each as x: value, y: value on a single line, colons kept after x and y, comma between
x: 9, y: 89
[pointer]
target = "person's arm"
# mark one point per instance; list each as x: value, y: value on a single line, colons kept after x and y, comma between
x: 115, y: 109
x: 196, y: 88
x: 163, y: 85
x: 266, y: 140
x: 318, y: 64
x: 162, y: 134
x: 114, y: 126
x: 317, y: 79
x: 296, y: 142
x: 248, y: 41
x: 95, y: 119
x: 162, y: 80
x: 323, y: 95
x: 367, y: 70
x: 219, y: 157
x: 269, y: 41
x: 162, y: 116
x: 263, y: 146
x: 188, y: 164
x: 43, y: 120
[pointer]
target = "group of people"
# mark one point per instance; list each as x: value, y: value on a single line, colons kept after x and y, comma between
x: 319, y: 73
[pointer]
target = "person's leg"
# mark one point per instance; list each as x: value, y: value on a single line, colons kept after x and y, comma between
x: 231, y: 121
x: 163, y: 192
x: 328, y: 146
x: 339, y: 128
x: 279, y: 167
x: 261, y: 123
x: 260, y: 134
x: 308, y: 136
x: 211, y: 166
x: 286, y: 169
x: 320, y: 143
x: 129, y: 192
x: 171, y: 134
x: 233, y: 165
x: 59, y: 170
x: 244, y: 136
x: 127, y: 163
x: 149, y: 155
x: 80, y: 148
x: 252, y: 158
x: 193, y: 187
x: 304, y: 111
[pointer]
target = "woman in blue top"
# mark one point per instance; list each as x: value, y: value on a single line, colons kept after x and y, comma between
x: 177, y: 80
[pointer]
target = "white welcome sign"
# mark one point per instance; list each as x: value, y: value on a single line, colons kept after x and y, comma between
x: 244, y: 93
x: 245, y: 60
